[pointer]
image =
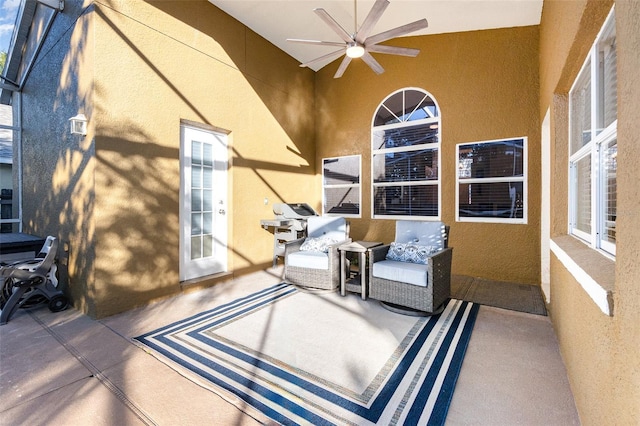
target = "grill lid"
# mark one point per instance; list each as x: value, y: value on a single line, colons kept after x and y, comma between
x: 293, y: 210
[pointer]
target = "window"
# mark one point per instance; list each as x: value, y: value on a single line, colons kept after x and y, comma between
x: 593, y: 146
x: 492, y: 181
x: 405, y: 161
x: 341, y: 186
x: 9, y: 208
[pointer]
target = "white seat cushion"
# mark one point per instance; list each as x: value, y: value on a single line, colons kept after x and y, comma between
x: 406, y: 272
x: 308, y: 259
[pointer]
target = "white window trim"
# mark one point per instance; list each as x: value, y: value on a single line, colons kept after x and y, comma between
x: 352, y: 185
x: 523, y: 179
x: 593, y: 148
x: 436, y: 120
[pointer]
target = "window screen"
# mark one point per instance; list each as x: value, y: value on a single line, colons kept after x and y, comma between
x: 492, y: 181
x: 405, y: 156
x: 341, y: 186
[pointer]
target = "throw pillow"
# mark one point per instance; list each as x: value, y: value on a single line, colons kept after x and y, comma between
x: 319, y: 244
x: 396, y: 252
x: 410, y: 252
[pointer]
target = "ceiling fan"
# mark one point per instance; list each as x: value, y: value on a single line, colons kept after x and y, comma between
x: 360, y: 44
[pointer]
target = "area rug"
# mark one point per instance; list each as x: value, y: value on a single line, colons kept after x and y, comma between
x: 324, y: 359
x: 506, y: 295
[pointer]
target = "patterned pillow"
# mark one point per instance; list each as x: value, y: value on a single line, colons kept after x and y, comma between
x: 319, y: 244
x: 396, y: 252
x: 410, y: 252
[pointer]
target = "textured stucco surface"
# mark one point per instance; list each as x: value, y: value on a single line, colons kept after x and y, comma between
x: 486, y: 84
x: 188, y: 60
x: 58, y: 168
x: 600, y: 351
x: 136, y: 69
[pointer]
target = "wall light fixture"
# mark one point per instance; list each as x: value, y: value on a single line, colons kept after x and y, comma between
x: 79, y: 125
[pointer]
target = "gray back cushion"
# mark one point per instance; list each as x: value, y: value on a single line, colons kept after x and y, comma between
x: 328, y: 226
x: 420, y: 232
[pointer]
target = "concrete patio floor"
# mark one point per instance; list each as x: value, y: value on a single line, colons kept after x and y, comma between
x: 67, y: 369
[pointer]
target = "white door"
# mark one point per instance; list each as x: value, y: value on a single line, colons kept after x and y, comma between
x: 203, y: 204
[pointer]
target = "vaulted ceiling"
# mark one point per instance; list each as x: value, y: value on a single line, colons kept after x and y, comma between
x: 277, y: 20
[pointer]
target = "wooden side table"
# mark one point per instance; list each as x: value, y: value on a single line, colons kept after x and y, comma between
x: 358, y: 282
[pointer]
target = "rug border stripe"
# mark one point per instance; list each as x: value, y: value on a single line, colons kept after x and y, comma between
x: 226, y: 306
x: 443, y: 402
x: 282, y: 407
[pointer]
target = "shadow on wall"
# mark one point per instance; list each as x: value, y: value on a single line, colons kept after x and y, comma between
x: 62, y: 196
x: 274, y: 76
x: 57, y: 192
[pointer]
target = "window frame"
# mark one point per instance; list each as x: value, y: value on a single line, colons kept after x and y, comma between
x: 501, y: 179
x: 357, y: 185
x: 404, y: 120
x: 600, y: 137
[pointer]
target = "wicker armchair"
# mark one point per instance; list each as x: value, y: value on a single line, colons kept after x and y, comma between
x: 422, y: 285
x: 314, y: 261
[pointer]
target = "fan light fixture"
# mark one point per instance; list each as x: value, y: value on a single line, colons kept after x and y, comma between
x: 355, y: 51
x: 361, y: 44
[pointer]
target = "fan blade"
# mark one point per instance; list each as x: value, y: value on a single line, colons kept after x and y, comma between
x: 397, y: 32
x: 370, y: 60
x: 343, y: 67
x: 333, y: 24
x: 392, y: 50
x: 317, y: 42
x: 371, y: 20
x: 331, y: 56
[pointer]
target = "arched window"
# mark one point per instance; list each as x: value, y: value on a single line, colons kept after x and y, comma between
x: 405, y: 156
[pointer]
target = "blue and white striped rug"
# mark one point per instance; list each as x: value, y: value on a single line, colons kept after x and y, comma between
x: 323, y: 359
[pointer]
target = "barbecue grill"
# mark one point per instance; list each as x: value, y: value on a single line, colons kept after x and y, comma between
x: 290, y: 223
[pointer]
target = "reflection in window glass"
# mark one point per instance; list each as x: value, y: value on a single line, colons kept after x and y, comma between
x: 582, y: 180
x: 609, y: 199
x: 593, y: 112
x: 9, y: 203
x: 492, y: 181
x: 405, y: 144
x: 406, y: 200
x: 405, y: 166
x: 341, y: 186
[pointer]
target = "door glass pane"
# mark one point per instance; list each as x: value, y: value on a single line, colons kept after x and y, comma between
x: 207, y: 246
x: 207, y: 155
x: 207, y: 177
x: 207, y: 201
x: 196, y: 247
x: 196, y: 223
x: 196, y: 200
x: 207, y: 223
x: 196, y: 152
x: 196, y: 177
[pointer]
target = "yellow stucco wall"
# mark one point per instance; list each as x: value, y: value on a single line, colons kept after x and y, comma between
x: 162, y: 62
x: 486, y: 84
x: 600, y: 351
